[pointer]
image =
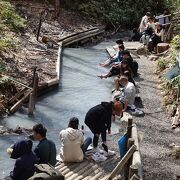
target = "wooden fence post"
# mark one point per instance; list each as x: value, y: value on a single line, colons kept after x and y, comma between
x: 126, y: 167
x: 31, y: 105
x: 133, y: 170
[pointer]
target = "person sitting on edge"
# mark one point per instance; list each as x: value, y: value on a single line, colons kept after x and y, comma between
x: 25, y: 160
x: 118, y: 42
x: 127, y: 94
x: 46, y: 149
x: 149, y: 29
x: 98, y: 119
x: 72, y: 141
x: 116, y: 58
x: 144, y: 22
x: 128, y: 64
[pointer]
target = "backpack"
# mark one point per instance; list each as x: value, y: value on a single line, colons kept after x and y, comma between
x: 46, y: 171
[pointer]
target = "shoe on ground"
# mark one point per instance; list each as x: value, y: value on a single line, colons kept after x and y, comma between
x: 97, y: 150
x: 109, y: 153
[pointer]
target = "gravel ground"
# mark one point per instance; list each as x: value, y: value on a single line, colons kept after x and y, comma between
x: 155, y: 127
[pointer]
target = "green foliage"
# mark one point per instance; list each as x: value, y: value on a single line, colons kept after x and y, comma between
x: 162, y: 64
x: 4, y: 80
x: 9, y: 18
x: 176, y: 42
x: 118, y: 13
x: 2, y: 67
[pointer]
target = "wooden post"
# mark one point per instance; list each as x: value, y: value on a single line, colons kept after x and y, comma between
x: 126, y: 167
x: 136, y: 155
x: 35, y: 87
x: 31, y: 105
x: 133, y: 170
x: 121, y: 164
x: 57, y: 8
x: 39, y: 26
x: 135, y: 177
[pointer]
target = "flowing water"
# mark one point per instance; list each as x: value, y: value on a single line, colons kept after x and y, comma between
x: 79, y: 90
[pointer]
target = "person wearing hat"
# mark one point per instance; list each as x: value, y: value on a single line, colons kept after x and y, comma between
x: 98, y: 119
x: 73, y: 145
x: 25, y: 160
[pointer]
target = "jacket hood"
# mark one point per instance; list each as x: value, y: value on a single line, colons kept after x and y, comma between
x: 20, y: 148
x: 73, y: 134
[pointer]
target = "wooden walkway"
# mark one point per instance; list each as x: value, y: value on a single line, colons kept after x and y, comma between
x: 88, y: 169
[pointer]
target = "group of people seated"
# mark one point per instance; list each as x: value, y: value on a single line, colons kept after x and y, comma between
x: 124, y: 69
x: 151, y: 30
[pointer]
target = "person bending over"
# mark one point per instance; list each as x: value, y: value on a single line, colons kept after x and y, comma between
x: 72, y: 142
x: 98, y: 119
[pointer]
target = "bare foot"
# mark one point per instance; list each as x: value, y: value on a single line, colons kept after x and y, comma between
x: 100, y: 76
x: 101, y: 64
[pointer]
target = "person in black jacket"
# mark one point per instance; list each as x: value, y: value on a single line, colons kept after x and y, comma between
x: 25, y: 160
x: 98, y: 119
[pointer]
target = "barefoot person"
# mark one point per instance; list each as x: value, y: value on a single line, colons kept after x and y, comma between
x: 98, y: 119
x: 117, y: 58
x: 73, y: 145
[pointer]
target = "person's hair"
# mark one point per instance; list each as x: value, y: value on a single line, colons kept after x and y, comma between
x: 126, y: 52
x: 127, y: 74
x: 148, y: 14
x: 121, y: 46
x: 151, y: 18
x: 165, y: 12
x: 135, y: 30
x: 40, y: 129
x: 119, y: 41
x: 73, y: 123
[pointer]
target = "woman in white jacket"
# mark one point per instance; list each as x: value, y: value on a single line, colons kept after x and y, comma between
x: 73, y: 145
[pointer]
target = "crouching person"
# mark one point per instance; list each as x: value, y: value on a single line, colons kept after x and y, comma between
x: 25, y: 160
x: 72, y: 142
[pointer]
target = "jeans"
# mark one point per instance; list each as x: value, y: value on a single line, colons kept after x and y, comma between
x: 86, y: 144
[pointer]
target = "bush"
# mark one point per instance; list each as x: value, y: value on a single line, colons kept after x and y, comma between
x: 9, y: 18
x: 118, y: 13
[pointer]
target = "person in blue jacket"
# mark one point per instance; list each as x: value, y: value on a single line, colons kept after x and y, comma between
x: 25, y: 160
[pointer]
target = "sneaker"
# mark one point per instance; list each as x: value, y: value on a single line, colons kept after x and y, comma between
x: 109, y: 153
x: 98, y: 157
x: 96, y: 150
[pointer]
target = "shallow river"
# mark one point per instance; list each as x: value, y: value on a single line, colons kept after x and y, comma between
x: 79, y: 90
